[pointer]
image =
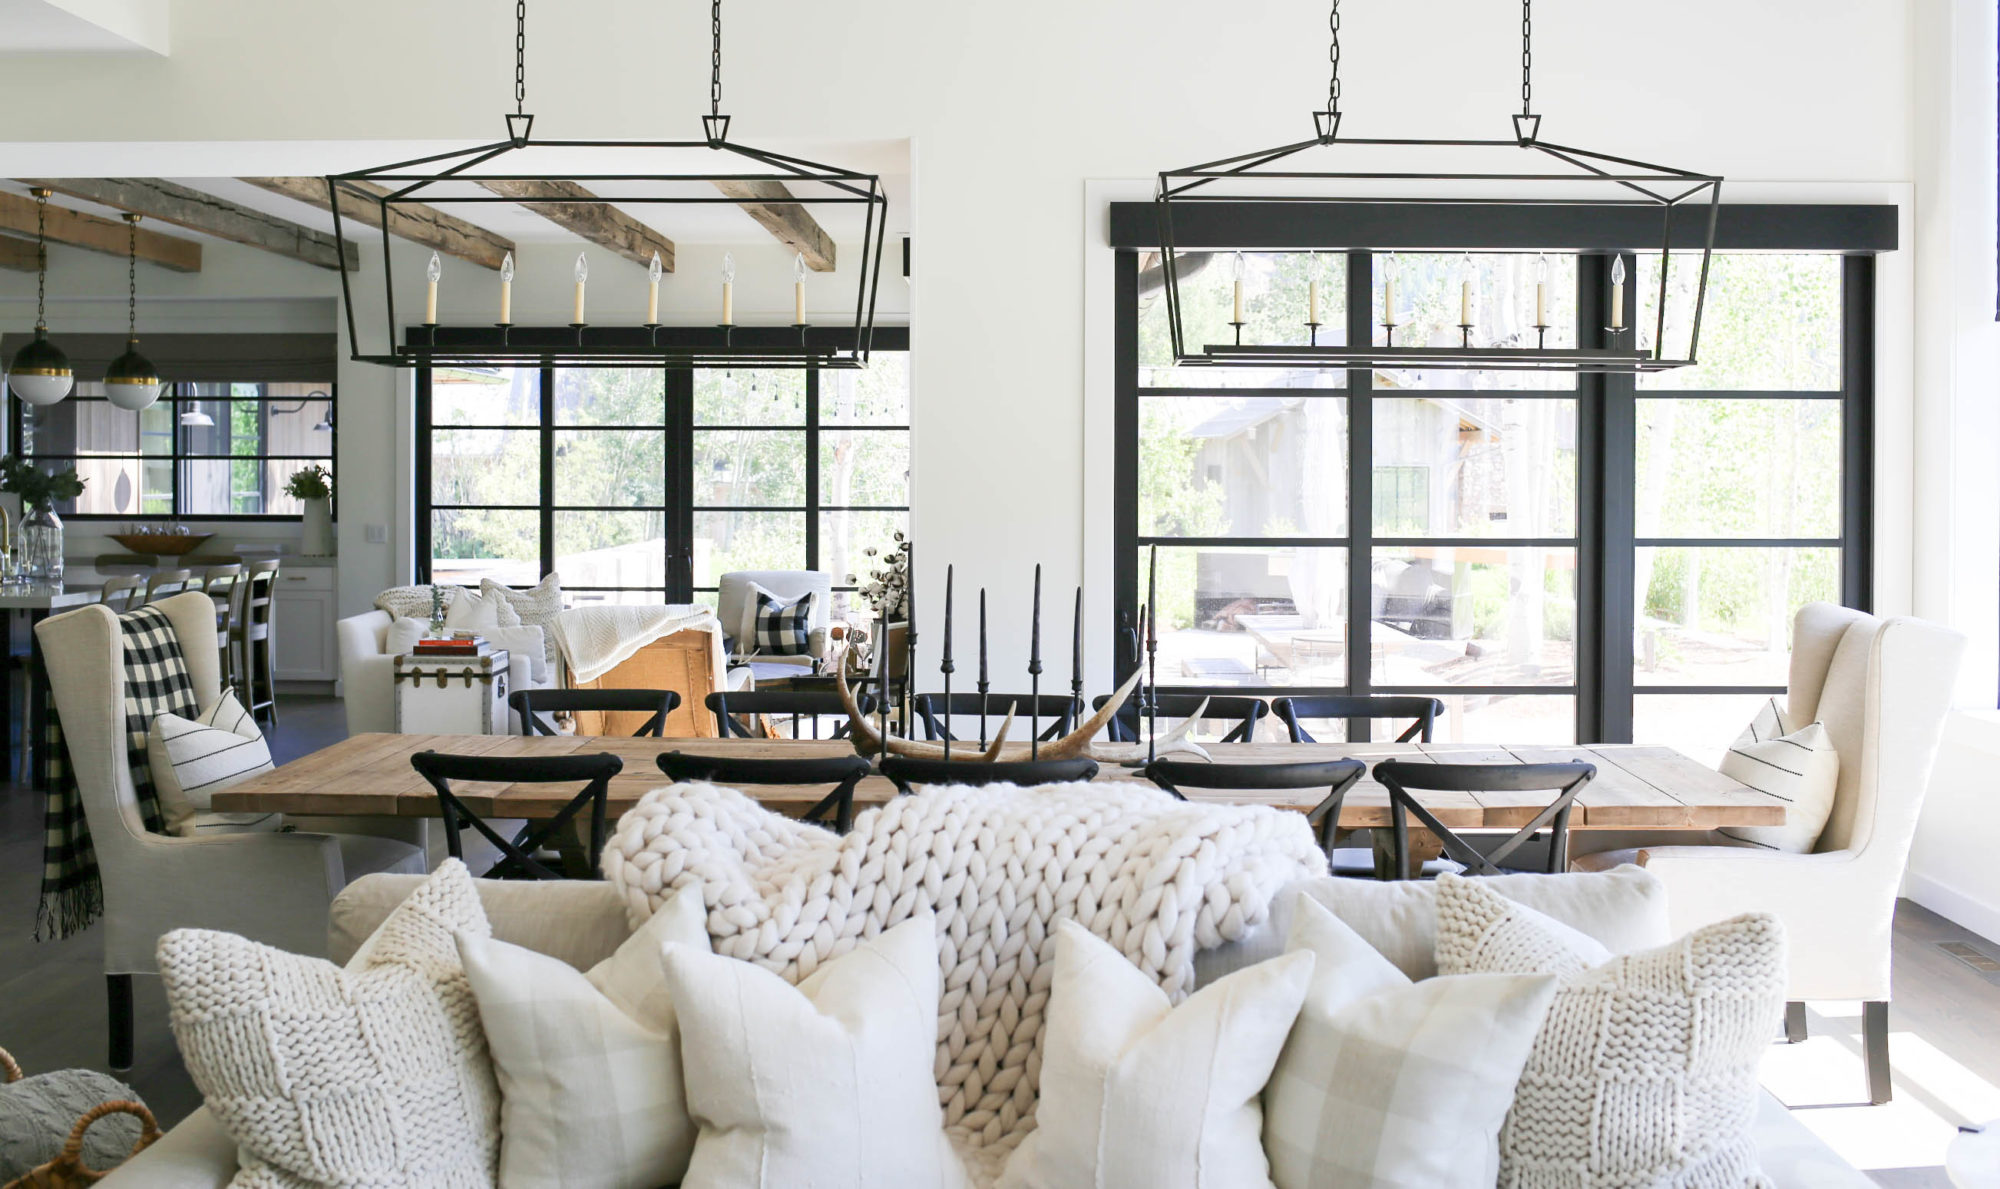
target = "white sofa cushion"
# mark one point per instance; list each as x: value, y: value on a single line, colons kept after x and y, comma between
x: 1797, y: 765
x: 375, y: 1075
x: 589, y: 1065
x: 1623, y: 909
x: 193, y: 758
x: 1389, y: 1082
x: 480, y: 610
x: 828, y: 1083
x: 1140, y: 1094
x: 536, y: 606
x: 1645, y: 1070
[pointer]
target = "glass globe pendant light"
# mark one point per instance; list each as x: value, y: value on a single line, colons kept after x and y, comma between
x: 132, y: 382
x: 40, y: 373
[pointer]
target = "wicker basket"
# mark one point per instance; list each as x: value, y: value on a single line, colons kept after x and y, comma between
x: 67, y: 1170
x: 162, y: 544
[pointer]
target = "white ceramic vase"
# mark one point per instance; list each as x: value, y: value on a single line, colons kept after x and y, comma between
x: 317, y: 536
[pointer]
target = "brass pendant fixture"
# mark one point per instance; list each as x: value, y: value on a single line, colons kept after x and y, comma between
x: 132, y: 382
x: 40, y: 373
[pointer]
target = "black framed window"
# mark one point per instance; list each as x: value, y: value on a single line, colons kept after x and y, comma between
x: 204, y: 451
x: 637, y: 485
x: 1557, y: 557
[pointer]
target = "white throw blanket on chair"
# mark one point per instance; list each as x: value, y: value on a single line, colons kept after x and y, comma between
x: 1157, y: 877
x: 596, y: 638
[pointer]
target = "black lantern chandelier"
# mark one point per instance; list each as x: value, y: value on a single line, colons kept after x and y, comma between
x: 670, y: 173
x: 1523, y: 170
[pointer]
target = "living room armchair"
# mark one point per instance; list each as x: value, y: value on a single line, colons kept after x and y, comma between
x: 272, y: 887
x: 736, y: 607
x: 1882, y: 688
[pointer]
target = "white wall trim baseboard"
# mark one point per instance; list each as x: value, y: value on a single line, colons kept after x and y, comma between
x: 1967, y: 912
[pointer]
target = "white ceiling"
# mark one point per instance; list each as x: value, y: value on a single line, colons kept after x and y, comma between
x: 82, y: 26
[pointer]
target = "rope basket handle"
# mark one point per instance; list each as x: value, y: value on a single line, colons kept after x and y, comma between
x: 70, y: 1162
x: 8, y: 1067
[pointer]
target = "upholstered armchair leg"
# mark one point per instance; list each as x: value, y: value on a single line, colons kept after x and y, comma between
x: 1875, y: 1049
x: 1795, y: 1022
x: 118, y: 991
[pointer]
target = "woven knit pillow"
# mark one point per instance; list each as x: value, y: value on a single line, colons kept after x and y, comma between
x: 589, y: 1064
x: 538, y: 605
x: 784, y: 626
x: 413, y: 602
x: 1376, y: 1062
x: 1138, y: 1093
x: 1645, y: 1071
x: 1798, y: 765
x: 194, y: 758
x: 372, y: 1076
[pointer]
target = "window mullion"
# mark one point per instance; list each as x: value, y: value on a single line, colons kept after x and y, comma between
x: 1360, y: 482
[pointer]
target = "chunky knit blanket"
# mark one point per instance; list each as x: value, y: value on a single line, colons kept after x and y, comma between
x: 1157, y: 877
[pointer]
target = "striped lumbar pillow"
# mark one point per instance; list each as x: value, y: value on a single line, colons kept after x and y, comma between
x: 192, y: 758
x: 1795, y: 764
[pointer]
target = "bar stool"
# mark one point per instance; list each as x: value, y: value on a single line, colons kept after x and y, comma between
x: 167, y: 583
x: 219, y: 584
x: 250, y: 639
x: 122, y: 592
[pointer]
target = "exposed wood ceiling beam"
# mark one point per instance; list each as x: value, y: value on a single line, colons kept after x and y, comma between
x: 167, y: 202
x: 578, y: 211
x: 17, y: 254
x: 769, y: 203
x: 416, y: 222
x: 17, y: 217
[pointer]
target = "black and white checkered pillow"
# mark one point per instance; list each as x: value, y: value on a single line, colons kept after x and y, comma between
x: 784, y: 629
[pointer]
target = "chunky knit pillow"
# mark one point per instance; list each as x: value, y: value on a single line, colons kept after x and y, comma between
x: 1645, y: 1069
x: 412, y: 602
x: 372, y: 1076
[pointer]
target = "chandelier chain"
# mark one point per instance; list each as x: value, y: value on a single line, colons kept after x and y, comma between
x: 520, y: 56
x: 41, y: 257
x: 1333, y: 57
x: 1527, y: 57
x: 132, y: 276
x: 715, y: 58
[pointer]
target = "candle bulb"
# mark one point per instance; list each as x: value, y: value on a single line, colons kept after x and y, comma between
x: 1542, y: 290
x: 728, y: 289
x: 1465, y: 294
x: 507, y: 290
x: 582, y: 275
x: 1389, y: 290
x: 799, y: 289
x: 433, y: 272
x: 1238, y: 269
x: 653, y: 273
x: 1618, y: 293
x: 1312, y: 293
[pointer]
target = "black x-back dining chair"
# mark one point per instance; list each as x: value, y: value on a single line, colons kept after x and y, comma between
x: 802, y: 705
x: 1059, y: 711
x: 1126, y: 726
x: 1421, y: 711
x: 909, y: 773
x: 842, y: 772
x: 531, y: 704
x: 517, y: 854
x: 1335, y: 776
x: 1565, y: 782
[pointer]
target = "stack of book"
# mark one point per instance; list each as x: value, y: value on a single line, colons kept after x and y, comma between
x: 453, y: 646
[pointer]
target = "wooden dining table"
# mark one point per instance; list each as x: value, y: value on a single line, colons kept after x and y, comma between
x: 1637, y: 787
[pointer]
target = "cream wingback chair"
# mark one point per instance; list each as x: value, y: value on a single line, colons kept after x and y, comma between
x: 1882, y: 688
x: 273, y: 887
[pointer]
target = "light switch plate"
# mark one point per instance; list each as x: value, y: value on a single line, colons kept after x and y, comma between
x: 378, y: 534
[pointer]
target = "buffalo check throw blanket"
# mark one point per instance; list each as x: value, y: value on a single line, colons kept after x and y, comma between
x: 156, y: 683
x: 1157, y: 877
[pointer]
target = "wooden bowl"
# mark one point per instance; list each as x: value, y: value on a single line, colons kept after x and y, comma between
x: 162, y: 544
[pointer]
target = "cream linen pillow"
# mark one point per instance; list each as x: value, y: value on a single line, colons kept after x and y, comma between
x: 474, y: 610
x: 1376, y: 1062
x: 589, y: 1064
x: 1645, y: 1071
x: 1798, y: 765
x: 371, y: 1077
x: 194, y: 758
x: 828, y: 1084
x: 539, y: 605
x: 1138, y: 1093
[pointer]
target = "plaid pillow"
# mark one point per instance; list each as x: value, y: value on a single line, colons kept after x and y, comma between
x: 784, y: 629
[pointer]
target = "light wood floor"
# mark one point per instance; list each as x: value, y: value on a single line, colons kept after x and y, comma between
x: 1945, y: 1018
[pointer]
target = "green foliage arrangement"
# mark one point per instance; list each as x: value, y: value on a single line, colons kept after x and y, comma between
x: 310, y: 483
x: 38, y: 488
